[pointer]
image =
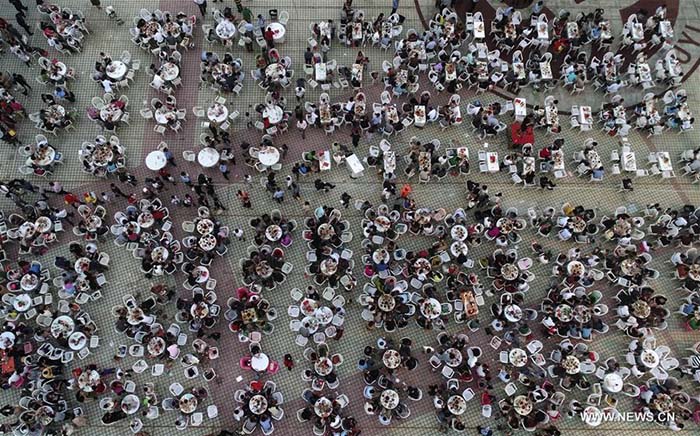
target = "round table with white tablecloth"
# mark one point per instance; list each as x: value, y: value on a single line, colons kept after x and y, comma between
x: 225, y: 29
x: 77, y: 341
x: 116, y: 70
x: 275, y: 72
x: 111, y: 113
x: 268, y: 156
x: 274, y: 114
x: 163, y: 115
x: 217, y: 113
x: 208, y: 157
x: 169, y: 71
x: 21, y: 302
x: 259, y: 362
x: 278, y: 31
x: 156, y: 160
x: 207, y: 242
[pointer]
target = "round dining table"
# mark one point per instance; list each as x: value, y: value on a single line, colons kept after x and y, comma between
x: 456, y: 404
x: 169, y: 71
x: 278, y: 31
x: 116, y: 70
x: 225, y: 29
x: 453, y: 357
x: 260, y: 362
x: 430, y: 308
x: 257, y: 404
x: 273, y: 232
x: 156, y: 160
x: 389, y: 399
x: 273, y: 113
x: 323, y: 407
x: 62, y: 326
x: 386, y: 302
x: 522, y: 405
x: 323, y: 366
x: 275, y: 71
x: 208, y: 157
x: 160, y: 254
x: 391, y: 359
x: 130, y: 404
x: 188, y: 403
x: 268, y: 156
x: 21, y: 302
x: 612, y: 382
x: 29, y: 282
x: 77, y: 341
x: 217, y: 113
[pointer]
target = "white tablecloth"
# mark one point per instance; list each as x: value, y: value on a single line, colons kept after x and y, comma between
x: 273, y: 114
x: 278, y: 31
x: 156, y: 160
x: 116, y: 70
x: 208, y: 157
x: 225, y: 29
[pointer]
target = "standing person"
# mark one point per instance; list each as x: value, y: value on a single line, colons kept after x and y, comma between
x: 394, y: 6
x: 296, y: 192
x: 278, y: 195
x: 117, y: 191
x: 345, y: 199
x: 238, y: 233
x: 321, y: 185
x: 202, y: 5
x: 245, y: 199
x: 356, y: 132
x: 288, y: 362
x: 627, y: 185
x: 19, y: 16
x: 224, y: 170
x: 19, y: 6
x: 185, y: 178
x: 169, y: 156
x: 21, y: 81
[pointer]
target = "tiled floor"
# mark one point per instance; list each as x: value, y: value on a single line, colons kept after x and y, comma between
x: 449, y: 193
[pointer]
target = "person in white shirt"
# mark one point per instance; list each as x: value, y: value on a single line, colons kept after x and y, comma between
x: 202, y: 5
x: 106, y: 85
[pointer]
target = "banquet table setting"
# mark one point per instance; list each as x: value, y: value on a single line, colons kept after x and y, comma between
x: 225, y: 73
x: 140, y: 223
x: 248, y: 314
x: 273, y: 228
x: 103, y: 157
x: 263, y: 268
x: 54, y: 118
x: 34, y: 233
x: 109, y: 111
x: 317, y: 317
x: 151, y: 28
x: 206, y: 236
x: 325, y: 233
x: 259, y: 404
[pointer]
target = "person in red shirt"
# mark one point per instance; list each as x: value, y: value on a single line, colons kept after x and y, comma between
x: 288, y: 361
x: 269, y: 37
x: 158, y: 214
x: 71, y: 199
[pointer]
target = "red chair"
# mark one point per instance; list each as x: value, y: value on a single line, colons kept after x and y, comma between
x: 273, y: 367
x: 244, y: 363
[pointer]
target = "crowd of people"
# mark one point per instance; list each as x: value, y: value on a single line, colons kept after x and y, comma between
x: 416, y: 266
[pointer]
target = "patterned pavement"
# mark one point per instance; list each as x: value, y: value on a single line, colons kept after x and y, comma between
x: 448, y: 193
